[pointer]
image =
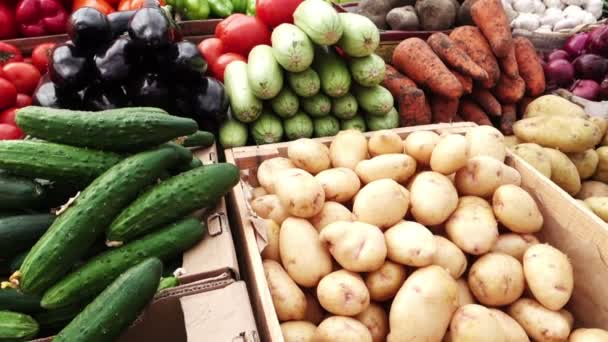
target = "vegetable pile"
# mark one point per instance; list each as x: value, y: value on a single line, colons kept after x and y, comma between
x: 388, y: 247
x: 413, y: 15
x: 552, y: 15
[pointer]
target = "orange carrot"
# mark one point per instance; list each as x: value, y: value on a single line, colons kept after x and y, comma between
x: 470, y: 39
x: 523, y: 104
x: 392, y: 75
x: 443, y: 108
x: 490, y: 17
x: 410, y: 99
x: 508, y: 118
x: 465, y: 81
x: 472, y: 112
x: 530, y: 68
x: 510, y: 90
x: 415, y: 59
x: 455, y: 57
x: 487, y: 101
x: 508, y: 65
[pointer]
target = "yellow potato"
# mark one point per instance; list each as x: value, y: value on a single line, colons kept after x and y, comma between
x: 473, y: 322
x: 314, y: 311
x: 410, y: 243
x: 340, y: 184
x: 550, y: 105
x: 535, y: 156
x: 496, y: 279
x: 398, y: 167
x: 348, y: 148
x: 258, y: 192
x: 592, y: 188
x: 584, y: 204
x: 601, y: 123
x: 420, y: 145
x: 305, y: 268
x: 298, y: 331
x: 511, y: 141
x: 343, y: 293
x: 450, y: 154
x: 376, y: 321
x: 549, y: 275
x: 588, y: 335
x: 472, y: 226
x: 270, y: 207
x: 339, y: 328
x: 464, y: 293
x: 540, y: 323
x: 449, y: 256
x: 486, y: 141
x: 384, y: 282
x: 568, y: 316
x: 601, y: 173
x: 483, y: 175
x: 516, y: 209
x: 356, y: 246
x: 564, y: 172
x: 514, y: 245
x: 300, y: 193
x: 585, y: 162
x: 599, y: 206
x: 270, y: 169
x: 513, y: 331
x: 567, y: 134
x: 271, y: 251
x: 384, y: 142
x: 331, y: 212
x: 433, y: 198
x: 309, y: 155
x: 382, y: 203
x: 288, y: 300
x: 423, y: 307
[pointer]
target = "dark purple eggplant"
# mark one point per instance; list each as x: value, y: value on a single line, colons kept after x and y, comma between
x: 101, y: 96
x: 88, y: 28
x: 186, y: 61
x: 113, y: 62
x: 69, y: 67
x: 149, y: 90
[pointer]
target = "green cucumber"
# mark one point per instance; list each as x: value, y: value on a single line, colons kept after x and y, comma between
x: 199, y: 139
x: 286, y: 104
x: 375, y: 100
x: 18, y: 233
x: 316, y: 105
x: 233, y: 133
x: 264, y: 73
x: 13, y: 300
x: 77, y: 229
x: 194, y: 163
x: 305, y: 83
x: 16, y: 327
x: 243, y: 103
x: 52, y: 321
x: 19, y: 193
x: 172, y: 199
x: 356, y: 122
x: 110, y: 130
x: 44, y: 160
x: 344, y: 107
x: 333, y: 72
x: 104, y: 319
x: 90, y: 279
x: 167, y: 283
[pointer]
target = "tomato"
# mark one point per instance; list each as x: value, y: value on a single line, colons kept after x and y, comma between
x: 9, y: 53
x: 217, y: 69
x: 8, y: 29
x: 24, y: 76
x: 128, y: 5
x: 8, y: 116
x: 8, y: 94
x: 10, y: 132
x: 276, y: 12
x: 240, y: 33
x: 211, y: 49
x: 41, y: 56
x: 101, y: 5
x: 23, y: 100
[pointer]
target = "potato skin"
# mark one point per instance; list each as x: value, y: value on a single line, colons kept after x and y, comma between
x: 563, y: 172
x: 376, y: 321
x: 601, y: 173
x: 331, y: 212
x: 540, y: 323
x: 271, y: 251
x: 340, y: 328
x: 496, y: 279
x: 513, y: 331
x: 567, y: 134
x: 300, y: 193
x: 309, y: 155
x: 420, y: 145
x: 516, y: 209
x: 486, y: 141
x: 599, y: 205
x: 348, y: 148
x: 514, y: 245
x: 483, y: 175
x: 382, y: 203
x: 592, y: 188
x: 269, y: 170
x: 535, y: 155
x: 549, y: 275
x: 398, y: 167
x: 553, y: 105
x: 289, y: 301
x: 449, y: 256
x: 384, y: 282
x: 410, y: 243
x: 473, y: 322
x: 340, y: 184
x: 384, y: 142
x: 270, y: 207
x: 433, y: 198
x: 588, y: 335
x: 472, y: 226
x: 343, y: 293
x: 450, y: 154
x: 585, y: 162
x: 512, y: 141
x: 298, y: 331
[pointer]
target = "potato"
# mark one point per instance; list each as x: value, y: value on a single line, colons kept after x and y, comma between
x: 483, y: 175
x: 309, y: 155
x: 584, y: 204
x: 348, y: 148
x: 356, y: 246
x: 270, y: 169
x: 511, y: 140
x: 551, y: 105
x: 513, y: 331
x: 331, y: 212
x: 382, y: 203
x: 450, y: 154
x: 300, y: 193
x: 398, y: 167
x: 588, y: 335
x: 339, y: 328
x: 563, y: 172
x: 535, y: 156
x: 306, y: 269
x: 540, y: 323
x: 403, y: 18
x: 549, y: 275
x: 298, y: 331
x: 516, y: 209
x: 271, y: 251
x: 314, y: 311
x: 433, y: 198
x: 464, y: 293
x: 258, y: 192
x: 436, y: 15
x: 421, y: 311
x: 568, y: 316
x: 343, y: 293
x: 384, y: 282
x: 270, y: 207
x: 592, y: 189
x: 473, y: 322
x: 376, y: 321
x: 384, y: 142
x: 599, y: 206
x: 287, y: 298
x: 602, y: 123
x: 420, y: 145
x: 340, y: 184
x: 567, y: 134
x: 472, y: 226
x: 585, y: 162
x: 410, y: 243
x: 486, y: 141
x: 601, y: 173
x: 514, y: 245
x: 496, y: 279
x: 449, y: 256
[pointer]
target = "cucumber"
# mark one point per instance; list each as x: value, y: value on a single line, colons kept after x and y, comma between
x: 317, y: 105
x: 90, y: 279
x: 326, y: 126
x: 344, y: 107
x: 44, y: 160
x: 243, y: 103
x: 388, y: 121
x: 19, y: 193
x: 356, y: 122
x: 334, y: 75
x: 264, y: 73
x: 52, y: 321
x: 77, y: 229
x: 194, y: 163
x: 18, y: 233
x: 292, y: 48
x: 375, y: 100
x: 233, y: 133
x: 167, y: 283
x: 360, y: 37
x: 298, y: 126
x: 109, y: 130
x: 286, y: 104
x: 267, y: 129
x: 104, y: 319
x: 13, y: 300
x: 16, y: 327
x: 199, y: 139
x: 368, y: 71
x: 172, y: 199
x: 305, y: 83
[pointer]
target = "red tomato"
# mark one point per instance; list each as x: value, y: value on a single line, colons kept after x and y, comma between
x: 10, y: 132
x: 8, y: 94
x: 9, y: 53
x: 8, y: 116
x: 217, y: 69
x: 240, y: 33
x: 24, y: 76
x: 41, y: 56
x: 100, y: 5
x: 211, y: 49
x: 275, y: 12
x: 23, y: 100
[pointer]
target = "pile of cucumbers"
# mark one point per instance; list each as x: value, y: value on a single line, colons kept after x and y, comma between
x: 90, y: 205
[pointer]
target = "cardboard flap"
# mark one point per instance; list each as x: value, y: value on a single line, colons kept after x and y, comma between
x: 259, y: 226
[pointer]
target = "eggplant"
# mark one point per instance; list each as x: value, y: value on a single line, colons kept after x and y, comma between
x: 203, y: 100
x: 88, y: 28
x: 101, y: 96
x: 149, y: 90
x: 119, y: 22
x: 48, y: 95
x: 186, y: 61
x: 150, y: 29
x: 114, y: 62
x: 69, y: 67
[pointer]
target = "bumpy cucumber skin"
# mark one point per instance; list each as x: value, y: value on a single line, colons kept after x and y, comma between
x: 44, y: 160
x: 90, y: 279
x: 194, y: 163
x: 52, y: 321
x: 19, y: 193
x: 75, y: 230
x: 199, y: 139
x: 116, y: 307
x: 13, y: 300
x: 172, y: 199
x: 18, y: 233
x: 16, y: 327
x: 109, y: 130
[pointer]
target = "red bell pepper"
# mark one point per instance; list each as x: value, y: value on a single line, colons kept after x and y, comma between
x: 9, y: 53
x: 129, y: 5
x: 40, y: 17
x: 240, y: 33
x: 8, y: 28
x: 218, y: 68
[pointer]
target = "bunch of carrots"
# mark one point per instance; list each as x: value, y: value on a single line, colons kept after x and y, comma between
x: 480, y: 74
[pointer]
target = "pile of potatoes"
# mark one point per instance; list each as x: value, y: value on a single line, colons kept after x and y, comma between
x: 426, y: 239
x: 557, y: 138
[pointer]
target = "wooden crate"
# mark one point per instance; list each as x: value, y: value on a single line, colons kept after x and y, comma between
x: 568, y: 226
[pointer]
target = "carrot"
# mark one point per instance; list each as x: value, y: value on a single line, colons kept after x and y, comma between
x: 487, y: 101
x: 410, y: 99
x: 443, y: 108
x: 508, y: 118
x: 470, y: 39
x: 508, y: 64
x: 465, y: 81
x: 530, y: 68
x: 510, y: 90
x: 491, y: 19
x: 455, y: 57
x: 415, y: 59
x: 523, y: 104
x: 392, y: 75
x: 457, y: 118
x: 472, y: 112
